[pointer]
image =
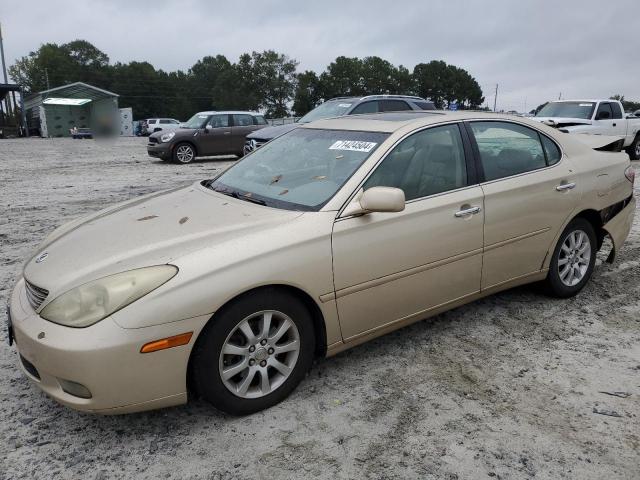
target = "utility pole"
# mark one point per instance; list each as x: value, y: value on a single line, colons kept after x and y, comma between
x: 4, y: 71
x: 495, y: 99
x: 46, y: 76
x: 560, y: 96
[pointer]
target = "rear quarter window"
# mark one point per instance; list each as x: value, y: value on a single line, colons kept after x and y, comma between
x: 551, y: 150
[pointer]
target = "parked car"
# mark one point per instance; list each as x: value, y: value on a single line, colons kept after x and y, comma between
x: 206, y: 134
x: 596, y: 117
x: 331, y: 235
x: 81, y: 133
x: 338, y: 107
x: 162, y: 124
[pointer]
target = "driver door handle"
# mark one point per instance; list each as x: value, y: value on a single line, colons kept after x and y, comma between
x: 565, y: 186
x: 467, y: 211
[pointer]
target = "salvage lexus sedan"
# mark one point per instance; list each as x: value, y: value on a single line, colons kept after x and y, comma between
x: 328, y: 236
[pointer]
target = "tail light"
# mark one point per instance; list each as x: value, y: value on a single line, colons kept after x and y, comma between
x: 630, y: 173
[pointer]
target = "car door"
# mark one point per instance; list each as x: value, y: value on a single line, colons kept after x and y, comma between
x: 528, y: 195
x: 215, y: 138
x: 393, y: 266
x: 603, y: 120
x: 242, y: 126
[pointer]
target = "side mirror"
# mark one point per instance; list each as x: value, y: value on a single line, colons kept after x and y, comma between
x: 208, y: 128
x: 377, y: 199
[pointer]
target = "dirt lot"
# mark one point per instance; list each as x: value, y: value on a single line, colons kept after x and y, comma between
x: 507, y: 387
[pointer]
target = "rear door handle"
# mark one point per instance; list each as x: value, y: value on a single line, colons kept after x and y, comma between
x: 565, y: 186
x: 467, y: 211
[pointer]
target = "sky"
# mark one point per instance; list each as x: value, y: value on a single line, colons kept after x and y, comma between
x: 535, y: 50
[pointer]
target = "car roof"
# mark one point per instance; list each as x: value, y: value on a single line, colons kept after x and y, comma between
x: 228, y: 112
x: 392, y: 121
x: 380, y: 97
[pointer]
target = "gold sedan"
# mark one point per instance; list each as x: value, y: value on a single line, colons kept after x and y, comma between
x: 326, y: 237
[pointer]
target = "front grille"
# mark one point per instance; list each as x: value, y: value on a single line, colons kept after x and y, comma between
x: 29, y: 367
x: 35, y: 295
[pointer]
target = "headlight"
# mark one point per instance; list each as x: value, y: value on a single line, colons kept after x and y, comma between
x: 165, y: 137
x: 94, y: 301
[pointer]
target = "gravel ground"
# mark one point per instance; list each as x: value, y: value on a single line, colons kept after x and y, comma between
x: 511, y: 386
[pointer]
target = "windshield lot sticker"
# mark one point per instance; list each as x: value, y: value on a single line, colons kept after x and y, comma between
x: 353, y: 145
x: 586, y: 104
x: 344, y: 105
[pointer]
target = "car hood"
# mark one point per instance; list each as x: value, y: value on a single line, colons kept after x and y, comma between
x: 149, y: 231
x: 560, y: 122
x: 268, y: 133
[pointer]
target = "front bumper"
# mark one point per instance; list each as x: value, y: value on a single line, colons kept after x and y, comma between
x: 160, y: 150
x: 105, y: 358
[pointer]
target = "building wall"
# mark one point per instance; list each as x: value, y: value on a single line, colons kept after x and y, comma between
x: 61, y: 118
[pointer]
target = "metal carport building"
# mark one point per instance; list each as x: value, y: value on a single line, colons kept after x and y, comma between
x: 56, y: 111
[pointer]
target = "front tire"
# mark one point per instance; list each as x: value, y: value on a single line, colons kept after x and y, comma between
x: 573, y: 259
x: 184, y: 153
x: 254, y: 353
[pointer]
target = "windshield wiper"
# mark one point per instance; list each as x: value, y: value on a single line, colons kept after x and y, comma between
x: 236, y: 194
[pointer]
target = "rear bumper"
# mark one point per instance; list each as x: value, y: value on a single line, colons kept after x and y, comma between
x: 619, y: 227
x: 105, y: 358
x: 160, y: 150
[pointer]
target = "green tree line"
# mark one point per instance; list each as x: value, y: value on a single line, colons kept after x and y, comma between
x: 268, y: 81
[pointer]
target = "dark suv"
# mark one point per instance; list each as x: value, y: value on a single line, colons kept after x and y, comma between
x: 205, y: 134
x: 337, y: 107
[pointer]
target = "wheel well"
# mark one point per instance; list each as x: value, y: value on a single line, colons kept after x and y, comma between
x: 595, y: 219
x: 195, y: 149
x: 319, y: 326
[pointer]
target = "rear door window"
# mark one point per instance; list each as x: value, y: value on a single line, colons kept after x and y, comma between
x: 507, y: 149
x: 395, y: 106
x: 366, y: 107
x: 259, y: 120
x: 617, y: 111
x: 242, y: 120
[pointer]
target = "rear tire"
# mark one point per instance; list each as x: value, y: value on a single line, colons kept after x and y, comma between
x: 634, y: 149
x: 573, y: 259
x: 243, y: 363
x: 184, y: 153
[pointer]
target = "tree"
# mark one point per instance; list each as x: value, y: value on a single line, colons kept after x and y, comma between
x: 445, y: 84
x: 343, y: 77
x: 308, y: 93
x: 273, y: 75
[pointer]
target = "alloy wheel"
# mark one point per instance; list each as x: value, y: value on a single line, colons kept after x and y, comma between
x: 259, y: 354
x: 184, y: 153
x: 574, y: 258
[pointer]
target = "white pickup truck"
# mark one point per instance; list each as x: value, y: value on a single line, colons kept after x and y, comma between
x: 595, y: 117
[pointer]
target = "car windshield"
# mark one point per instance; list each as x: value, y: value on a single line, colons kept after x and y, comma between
x: 197, y: 121
x: 300, y: 170
x: 332, y: 108
x: 567, y: 110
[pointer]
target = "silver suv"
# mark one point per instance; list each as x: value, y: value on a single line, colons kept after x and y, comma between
x: 337, y: 107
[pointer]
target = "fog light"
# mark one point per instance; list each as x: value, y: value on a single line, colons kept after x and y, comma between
x: 74, y: 388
